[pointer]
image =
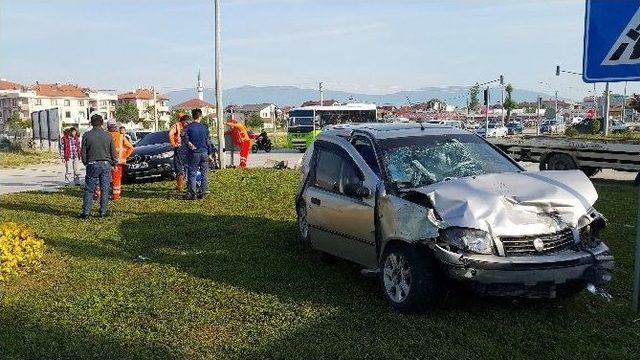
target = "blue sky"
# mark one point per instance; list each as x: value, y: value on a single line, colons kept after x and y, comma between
x: 374, y: 46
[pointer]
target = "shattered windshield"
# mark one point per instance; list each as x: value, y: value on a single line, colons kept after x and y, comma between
x: 419, y: 161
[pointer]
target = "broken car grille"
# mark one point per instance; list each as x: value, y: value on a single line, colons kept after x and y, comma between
x: 537, y: 244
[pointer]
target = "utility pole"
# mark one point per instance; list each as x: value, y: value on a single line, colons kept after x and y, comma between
x: 218, y: 77
x: 595, y: 102
x: 606, y: 109
x: 624, y: 102
x: 502, y: 98
x: 538, y: 120
x: 487, y: 100
x: 556, y: 104
x: 155, y: 106
x: 321, y: 93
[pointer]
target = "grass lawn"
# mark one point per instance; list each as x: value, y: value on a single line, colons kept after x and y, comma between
x: 225, y: 278
x: 17, y: 158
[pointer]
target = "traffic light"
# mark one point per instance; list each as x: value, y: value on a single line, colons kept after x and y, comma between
x: 486, y: 97
x: 501, y: 79
x: 558, y: 70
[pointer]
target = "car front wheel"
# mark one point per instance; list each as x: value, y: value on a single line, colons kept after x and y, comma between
x: 409, y: 279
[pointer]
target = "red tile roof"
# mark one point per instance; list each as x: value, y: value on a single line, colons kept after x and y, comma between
x: 140, y: 94
x: 8, y: 85
x: 194, y: 104
x: 60, y: 90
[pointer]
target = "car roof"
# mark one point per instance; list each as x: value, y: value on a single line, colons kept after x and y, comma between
x: 392, y: 130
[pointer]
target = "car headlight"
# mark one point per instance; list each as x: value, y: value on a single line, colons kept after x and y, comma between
x: 473, y: 240
x: 590, y: 234
x: 164, y: 155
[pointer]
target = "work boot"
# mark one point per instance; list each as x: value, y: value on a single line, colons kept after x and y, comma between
x: 180, y: 182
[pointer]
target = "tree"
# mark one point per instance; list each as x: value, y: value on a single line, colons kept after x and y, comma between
x: 255, y: 121
x: 16, y: 124
x: 436, y: 104
x: 175, y: 116
x: 127, y: 112
x: 474, y: 102
x: 549, y: 113
x: 509, y: 103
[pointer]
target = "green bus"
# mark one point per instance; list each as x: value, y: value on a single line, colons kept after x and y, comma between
x: 305, y: 123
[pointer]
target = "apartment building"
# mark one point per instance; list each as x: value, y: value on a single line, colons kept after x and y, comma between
x: 74, y: 103
x: 143, y: 99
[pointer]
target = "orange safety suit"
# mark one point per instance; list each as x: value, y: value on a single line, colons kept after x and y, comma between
x: 241, y: 138
x: 175, y: 134
x: 124, y: 150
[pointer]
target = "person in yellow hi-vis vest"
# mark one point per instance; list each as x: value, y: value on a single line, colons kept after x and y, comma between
x: 124, y: 149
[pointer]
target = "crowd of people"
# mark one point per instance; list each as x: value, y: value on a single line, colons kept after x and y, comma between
x: 105, y: 153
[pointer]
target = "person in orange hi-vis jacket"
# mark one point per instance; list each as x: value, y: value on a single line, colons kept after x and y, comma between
x: 124, y: 150
x: 179, y: 161
x: 241, y: 139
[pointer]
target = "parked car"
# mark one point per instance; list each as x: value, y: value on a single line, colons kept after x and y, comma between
x: 618, y: 126
x: 452, y: 123
x: 553, y: 127
x: 411, y: 204
x: 514, y: 128
x: 152, y: 157
x: 495, y: 130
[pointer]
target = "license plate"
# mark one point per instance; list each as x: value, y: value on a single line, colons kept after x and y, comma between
x: 140, y: 165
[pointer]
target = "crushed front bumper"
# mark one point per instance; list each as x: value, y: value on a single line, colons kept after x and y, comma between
x: 586, y: 266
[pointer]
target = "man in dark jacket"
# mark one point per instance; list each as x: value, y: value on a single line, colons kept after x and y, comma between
x: 98, y: 154
x: 200, y: 149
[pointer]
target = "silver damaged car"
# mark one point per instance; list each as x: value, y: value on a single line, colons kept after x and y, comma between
x: 417, y: 204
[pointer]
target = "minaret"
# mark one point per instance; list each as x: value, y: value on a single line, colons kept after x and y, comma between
x: 200, y: 87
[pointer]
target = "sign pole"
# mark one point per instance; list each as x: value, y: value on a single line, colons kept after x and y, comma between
x: 636, y: 270
x: 606, y: 109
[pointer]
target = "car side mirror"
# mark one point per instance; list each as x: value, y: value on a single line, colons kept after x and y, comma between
x: 357, y: 190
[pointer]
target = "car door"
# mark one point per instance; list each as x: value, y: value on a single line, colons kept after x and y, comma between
x: 339, y: 224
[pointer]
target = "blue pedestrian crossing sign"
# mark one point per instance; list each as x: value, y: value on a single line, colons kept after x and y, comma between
x: 612, y: 41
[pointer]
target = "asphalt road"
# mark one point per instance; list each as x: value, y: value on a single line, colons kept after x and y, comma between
x: 50, y: 177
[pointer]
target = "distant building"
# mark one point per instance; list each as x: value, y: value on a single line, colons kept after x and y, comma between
x: 197, y: 103
x: 143, y: 99
x: 267, y: 111
x: 74, y: 103
x: 187, y: 106
x: 329, y: 102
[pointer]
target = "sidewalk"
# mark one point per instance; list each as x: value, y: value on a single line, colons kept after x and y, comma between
x: 44, y: 177
x: 50, y: 177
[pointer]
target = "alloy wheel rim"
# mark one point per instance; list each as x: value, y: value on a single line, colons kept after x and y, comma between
x: 397, y: 277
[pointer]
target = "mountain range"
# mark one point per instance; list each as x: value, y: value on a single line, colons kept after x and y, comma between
x: 294, y: 96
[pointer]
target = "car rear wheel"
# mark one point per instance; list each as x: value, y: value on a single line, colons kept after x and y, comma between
x: 409, y: 279
x: 303, y: 223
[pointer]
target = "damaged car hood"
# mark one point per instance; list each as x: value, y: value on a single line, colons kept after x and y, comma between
x: 514, y: 204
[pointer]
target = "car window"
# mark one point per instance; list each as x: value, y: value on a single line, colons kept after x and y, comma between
x: 328, y: 168
x: 333, y: 171
x: 365, y: 148
x: 159, y: 137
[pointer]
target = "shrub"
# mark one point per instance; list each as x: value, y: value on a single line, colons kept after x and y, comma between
x: 571, y: 131
x: 595, y: 126
x: 20, y: 250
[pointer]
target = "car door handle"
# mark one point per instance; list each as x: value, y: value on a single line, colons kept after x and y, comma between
x: 315, y: 201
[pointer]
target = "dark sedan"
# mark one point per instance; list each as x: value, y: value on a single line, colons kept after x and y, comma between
x: 152, y: 157
x: 514, y: 128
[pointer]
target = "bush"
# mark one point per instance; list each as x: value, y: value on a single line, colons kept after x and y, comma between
x: 571, y: 131
x: 594, y: 126
x: 20, y: 250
